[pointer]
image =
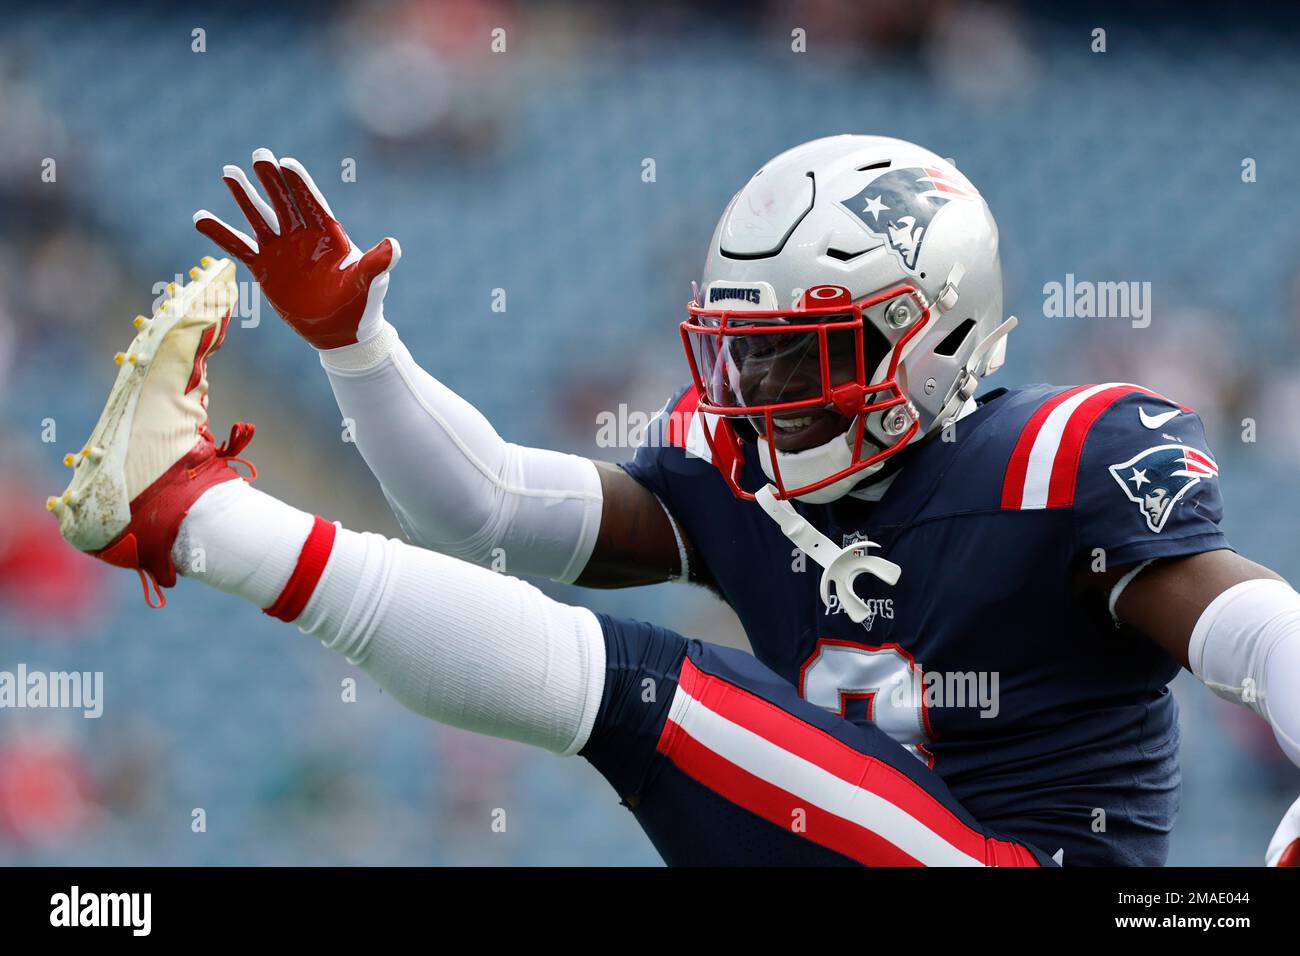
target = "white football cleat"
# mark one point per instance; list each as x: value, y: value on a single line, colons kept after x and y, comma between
x: 152, y: 454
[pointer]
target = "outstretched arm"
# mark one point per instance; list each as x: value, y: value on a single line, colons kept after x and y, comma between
x: 454, y: 484
x: 1236, y: 625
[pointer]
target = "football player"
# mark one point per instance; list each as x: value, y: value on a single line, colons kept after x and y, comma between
x: 965, y: 609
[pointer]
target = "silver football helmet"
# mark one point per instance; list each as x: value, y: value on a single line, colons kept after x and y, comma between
x: 851, y: 302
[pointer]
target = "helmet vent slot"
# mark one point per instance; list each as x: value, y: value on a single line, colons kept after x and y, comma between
x: 847, y: 255
x: 953, y: 340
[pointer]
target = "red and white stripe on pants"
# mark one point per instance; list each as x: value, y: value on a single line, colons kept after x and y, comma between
x: 774, y: 764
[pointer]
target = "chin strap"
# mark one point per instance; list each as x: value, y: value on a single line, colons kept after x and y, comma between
x: 841, y: 565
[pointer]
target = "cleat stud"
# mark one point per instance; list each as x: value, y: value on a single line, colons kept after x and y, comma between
x: 52, y: 503
x: 205, y: 261
x: 133, y: 359
x: 171, y: 288
x: 70, y: 460
x: 67, y: 498
x: 119, y: 358
x: 140, y: 320
x: 194, y: 273
x: 93, y: 452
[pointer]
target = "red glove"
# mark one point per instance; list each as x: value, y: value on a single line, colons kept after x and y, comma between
x: 310, y: 271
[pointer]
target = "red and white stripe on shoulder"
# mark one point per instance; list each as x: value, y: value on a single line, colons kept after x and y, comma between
x: 681, y: 417
x: 685, y: 428
x: 1044, y: 467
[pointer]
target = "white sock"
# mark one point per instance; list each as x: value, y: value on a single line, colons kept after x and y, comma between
x: 241, y: 541
x: 452, y: 641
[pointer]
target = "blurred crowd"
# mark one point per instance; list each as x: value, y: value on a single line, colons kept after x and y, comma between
x: 505, y: 145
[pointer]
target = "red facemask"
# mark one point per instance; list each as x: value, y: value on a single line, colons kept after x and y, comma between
x: 811, y: 361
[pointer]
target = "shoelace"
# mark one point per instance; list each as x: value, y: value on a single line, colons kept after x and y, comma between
x: 241, y: 433
x: 146, y: 579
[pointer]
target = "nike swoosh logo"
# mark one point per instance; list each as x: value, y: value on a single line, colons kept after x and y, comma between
x: 1156, y: 421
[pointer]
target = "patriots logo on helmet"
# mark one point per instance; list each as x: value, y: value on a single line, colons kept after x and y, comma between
x: 899, y: 205
x: 1157, y: 478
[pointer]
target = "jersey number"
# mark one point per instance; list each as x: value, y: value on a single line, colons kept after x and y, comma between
x: 886, y: 677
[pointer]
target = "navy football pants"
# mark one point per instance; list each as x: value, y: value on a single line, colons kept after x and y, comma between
x: 723, y: 763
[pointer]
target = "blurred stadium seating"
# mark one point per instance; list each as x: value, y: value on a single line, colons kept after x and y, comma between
x: 522, y: 171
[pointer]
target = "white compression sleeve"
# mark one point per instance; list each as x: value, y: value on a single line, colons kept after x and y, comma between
x: 1246, y: 648
x: 449, y: 640
x: 454, y: 484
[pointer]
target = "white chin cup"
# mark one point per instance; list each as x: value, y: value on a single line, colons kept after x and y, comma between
x: 799, y: 468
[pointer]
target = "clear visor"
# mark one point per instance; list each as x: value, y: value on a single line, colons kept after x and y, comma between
x: 752, y: 365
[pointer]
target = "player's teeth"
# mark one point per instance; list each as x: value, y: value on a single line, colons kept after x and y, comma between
x: 792, y: 424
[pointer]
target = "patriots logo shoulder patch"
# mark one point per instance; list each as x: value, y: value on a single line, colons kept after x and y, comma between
x: 1156, y: 479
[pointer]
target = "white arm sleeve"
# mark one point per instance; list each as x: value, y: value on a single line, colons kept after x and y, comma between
x: 454, y: 484
x: 1246, y: 648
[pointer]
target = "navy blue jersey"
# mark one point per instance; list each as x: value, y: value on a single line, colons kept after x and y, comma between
x: 986, y: 660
